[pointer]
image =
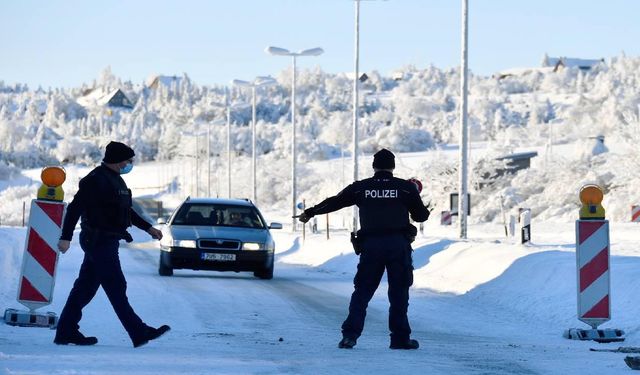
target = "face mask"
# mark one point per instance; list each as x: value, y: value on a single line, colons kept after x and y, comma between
x: 126, y: 169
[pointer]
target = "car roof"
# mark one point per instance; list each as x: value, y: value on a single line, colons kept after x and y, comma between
x: 236, y: 202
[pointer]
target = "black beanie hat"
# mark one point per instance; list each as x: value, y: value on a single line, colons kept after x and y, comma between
x: 117, y: 152
x: 384, y: 159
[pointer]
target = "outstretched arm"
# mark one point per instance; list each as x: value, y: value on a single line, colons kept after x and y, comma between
x: 345, y: 198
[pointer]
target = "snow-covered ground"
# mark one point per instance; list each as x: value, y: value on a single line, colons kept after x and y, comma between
x: 485, y: 305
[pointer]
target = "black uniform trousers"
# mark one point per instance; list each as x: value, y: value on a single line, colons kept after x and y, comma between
x: 100, y: 267
x: 380, y: 252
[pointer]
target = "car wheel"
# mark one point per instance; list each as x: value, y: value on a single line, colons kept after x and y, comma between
x: 164, y: 269
x: 265, y: 274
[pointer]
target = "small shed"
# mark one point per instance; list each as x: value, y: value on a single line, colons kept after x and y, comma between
x: 512, y: 163
x: 517, y: 161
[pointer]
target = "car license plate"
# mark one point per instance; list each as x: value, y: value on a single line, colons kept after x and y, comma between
x: 219, y: 257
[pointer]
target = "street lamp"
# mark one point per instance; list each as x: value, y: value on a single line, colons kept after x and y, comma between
x: 227, y: 103
x: 464, y: 132
x: 258, y: 82
x: 195, y: 177
x: 277, y: 51
x: 227, y: 109
x: 355, y: 106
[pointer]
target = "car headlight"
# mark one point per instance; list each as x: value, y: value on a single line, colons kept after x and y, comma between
x: 178, y: 243
x: 185, y: 243
x: 252, y: 246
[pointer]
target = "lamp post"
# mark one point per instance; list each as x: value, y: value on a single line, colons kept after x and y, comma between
x: 355, y: 106
x: 277, y: 51
x: 464, y: 133
x: 227, y: 109
x: 227, y: 103
x: 194, y: 176
x: 258, y: 82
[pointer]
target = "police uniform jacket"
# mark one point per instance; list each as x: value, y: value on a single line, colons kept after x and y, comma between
x: 104, y: 202
x: 385, y: 203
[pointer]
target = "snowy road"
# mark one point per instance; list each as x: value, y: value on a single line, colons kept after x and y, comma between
x: 305, y: 309
x: 230, y: 323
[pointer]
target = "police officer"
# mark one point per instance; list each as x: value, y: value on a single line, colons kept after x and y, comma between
x: 104, y: 203
x: 384, y: 242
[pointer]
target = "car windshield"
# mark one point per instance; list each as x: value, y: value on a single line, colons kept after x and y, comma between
x: 218, y: 215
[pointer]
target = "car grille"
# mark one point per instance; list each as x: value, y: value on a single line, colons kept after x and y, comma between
x: 220, y: 244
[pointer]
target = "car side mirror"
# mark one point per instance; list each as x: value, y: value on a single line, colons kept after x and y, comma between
x: 275, y: 226
x: 161, y: 220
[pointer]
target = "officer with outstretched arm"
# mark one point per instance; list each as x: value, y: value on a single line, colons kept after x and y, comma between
x: 384, y: 242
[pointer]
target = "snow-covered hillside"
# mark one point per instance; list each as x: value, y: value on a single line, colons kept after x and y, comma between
x: 558, y: 114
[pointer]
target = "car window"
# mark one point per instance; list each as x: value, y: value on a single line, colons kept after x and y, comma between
x: 238, y: 216
x: 195, y: 214
x: 218, y: 215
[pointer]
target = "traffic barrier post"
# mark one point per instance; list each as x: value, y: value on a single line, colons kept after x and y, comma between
x: 635, y: 214
x: 592, y: 270
x: 40, y: 257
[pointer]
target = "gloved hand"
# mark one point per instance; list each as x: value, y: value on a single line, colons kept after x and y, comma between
x: 155, y: 233
x: 417, y: 183
x: 304, y: 217
x: 127, y: 237
x: 63, y: 246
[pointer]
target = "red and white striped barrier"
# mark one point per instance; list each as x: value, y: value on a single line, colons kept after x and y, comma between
x: 445, y: 218
x: 592, y: 257
x: 635, y: 214
x: 592, y: 269
x: 40, y: 258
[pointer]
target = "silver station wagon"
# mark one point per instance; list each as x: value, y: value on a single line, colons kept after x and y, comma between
x: 219, y: 235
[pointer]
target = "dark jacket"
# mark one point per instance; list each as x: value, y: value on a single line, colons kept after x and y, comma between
x: 385, y: 203
x: 104, y: 202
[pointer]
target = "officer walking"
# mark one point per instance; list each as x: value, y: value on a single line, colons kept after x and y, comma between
x: 384, y: 242
x: 104, y: 203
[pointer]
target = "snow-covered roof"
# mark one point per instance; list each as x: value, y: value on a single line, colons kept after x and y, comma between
x: 570, y: 62
x: 98, y: 97
x: 167, y: 81
x: 519, y: 156
x: 521, y: 72
x: 363, y: 76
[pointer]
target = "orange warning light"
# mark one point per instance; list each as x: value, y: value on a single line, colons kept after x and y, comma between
x: 53, y: 176
x: 591, y: 197
x: 52, y: 180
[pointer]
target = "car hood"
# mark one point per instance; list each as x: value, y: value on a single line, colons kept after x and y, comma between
x: 189, y: 232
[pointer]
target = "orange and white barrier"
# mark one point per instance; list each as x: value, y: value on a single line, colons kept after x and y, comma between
x: 592, y: 263
x: 635, y: 214
x: 592, y: 257
x: 41, y: 254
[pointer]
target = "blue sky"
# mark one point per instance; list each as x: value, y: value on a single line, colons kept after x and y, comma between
x: 59, y: 43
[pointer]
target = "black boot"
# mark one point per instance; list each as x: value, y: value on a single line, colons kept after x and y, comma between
x: 75, y: 338
x: 150, y: 333
x: 408, y: 344
x: 347, y: 343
